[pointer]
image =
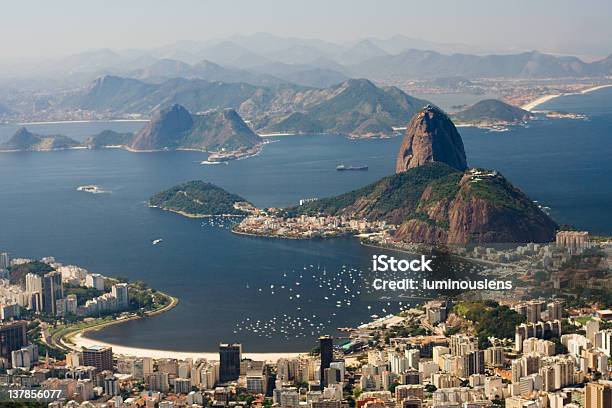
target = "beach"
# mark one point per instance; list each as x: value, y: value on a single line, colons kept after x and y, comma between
x: 79, y: 341
x: 534, y: 104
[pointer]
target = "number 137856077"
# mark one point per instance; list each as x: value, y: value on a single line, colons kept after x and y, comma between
x: 45, y: 394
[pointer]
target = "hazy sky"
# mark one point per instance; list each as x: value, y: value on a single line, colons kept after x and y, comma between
x: 48, y: 27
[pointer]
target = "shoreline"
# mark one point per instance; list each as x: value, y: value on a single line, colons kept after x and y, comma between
x: 80, y: 341
x: 190, y: 215
x: 539, y: 101
x: 65, y: 340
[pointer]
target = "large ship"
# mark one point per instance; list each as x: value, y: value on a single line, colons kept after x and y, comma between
x: 342, y: 167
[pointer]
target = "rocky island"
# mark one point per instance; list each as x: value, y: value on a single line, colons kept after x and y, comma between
x: 24, y: 140
x: 220, y: 132
x: 174, y: 128
x: 199, y: 199
x: 491, y: 112
x: 433, y: 198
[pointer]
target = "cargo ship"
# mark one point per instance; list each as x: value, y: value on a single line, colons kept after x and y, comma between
x: 342, y: 167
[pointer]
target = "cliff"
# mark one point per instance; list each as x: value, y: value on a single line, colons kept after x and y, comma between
x: 431, y: 137
x: 433, y: 198
x: 166, y: 129
x: 437, y: 204
x: 215, y: 130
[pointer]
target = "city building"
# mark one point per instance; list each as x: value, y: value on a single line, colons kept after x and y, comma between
x: 52, y: 291
x: 99, y: 357
x: 120, y: 292
x: 326, y: 344
x: 95, y: 280
x: 12, y: 337
x: 230, y: 356
x: 598, y: 395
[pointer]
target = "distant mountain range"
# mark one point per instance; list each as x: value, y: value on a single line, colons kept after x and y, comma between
x: 430, y: 64
x: 355, y: 107
x: 492, y: 111
x: 263, y: 75
x: 399, y: 57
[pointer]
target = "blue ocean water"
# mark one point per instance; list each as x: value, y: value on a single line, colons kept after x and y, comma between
x: 562, y: 163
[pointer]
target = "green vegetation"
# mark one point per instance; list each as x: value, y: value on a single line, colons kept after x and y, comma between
x: 108, y: 138
x: 490, y: 319
x: 197, y: 198
x: 83, y: 294
x: 25, y: 140
x: 393, y: 386
x: 394, y: 198
x: 18, y: 272
x: 356, y: 106
x: 220, y: 130
x: 491, y: 110
x: 499, y: 192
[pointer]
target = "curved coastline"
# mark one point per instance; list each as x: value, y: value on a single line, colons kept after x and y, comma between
x: 76, y: 340
x: 534, y: 104
x: 80, y: 341
x: 67, y: 340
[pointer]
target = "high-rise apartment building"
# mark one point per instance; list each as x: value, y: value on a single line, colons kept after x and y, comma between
x: 12, y: 337
x: 230, y: 356
x: 99, y: 357
x: 327, y: 356
x: 120, y: 291
x: 52, y: 291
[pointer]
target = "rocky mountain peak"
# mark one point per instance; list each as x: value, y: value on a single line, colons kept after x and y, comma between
x: 431, y: 137
x: 165, y: 129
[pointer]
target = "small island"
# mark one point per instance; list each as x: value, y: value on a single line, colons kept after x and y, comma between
x: 92, y: 188
x: 220, y: 132
x: 200, y: 199
x: 491, y: 113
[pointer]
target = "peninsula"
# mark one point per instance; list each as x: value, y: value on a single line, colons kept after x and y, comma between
x: 434, y: 198
x: 199, y: 199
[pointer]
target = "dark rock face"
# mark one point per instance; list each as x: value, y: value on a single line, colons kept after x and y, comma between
x: 165, y: 130
x: 23, y: 139
x: 484, y: 209
x: 431, y: 137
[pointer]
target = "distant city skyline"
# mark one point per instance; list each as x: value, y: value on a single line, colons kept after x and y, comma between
x: 39, y: 29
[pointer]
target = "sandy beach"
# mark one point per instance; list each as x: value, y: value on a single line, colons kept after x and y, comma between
x: 79, y: 341
x: 532, y: 105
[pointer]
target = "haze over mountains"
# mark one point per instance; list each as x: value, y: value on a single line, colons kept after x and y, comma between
x: 355, y: 107
x: 275, y: 84
x: 258, y: 53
